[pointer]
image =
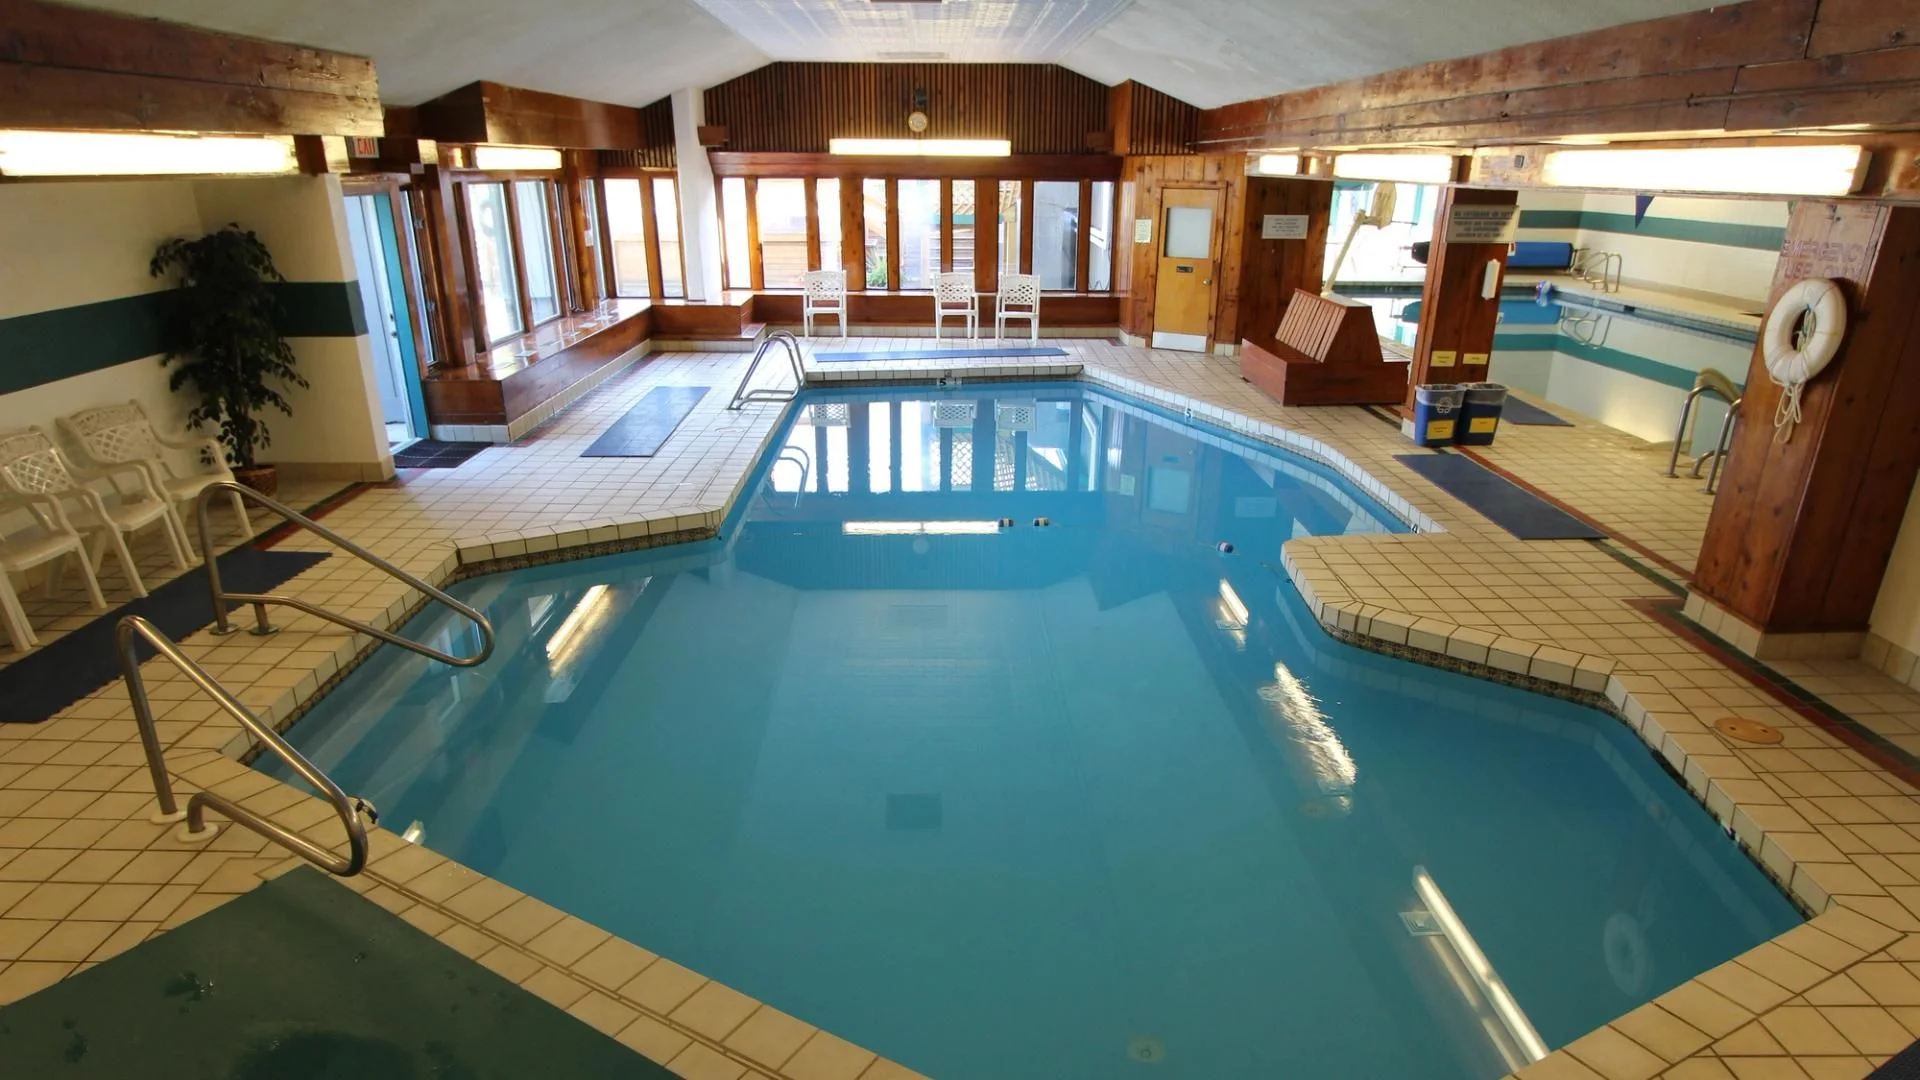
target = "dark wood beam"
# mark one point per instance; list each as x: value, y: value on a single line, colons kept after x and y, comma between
x: 1013, y: 167
x: 486, y: 112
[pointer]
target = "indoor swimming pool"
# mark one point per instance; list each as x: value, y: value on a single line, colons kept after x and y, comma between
x: 989, y: 735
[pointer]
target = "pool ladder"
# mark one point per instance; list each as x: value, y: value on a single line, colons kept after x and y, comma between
x: 742, y: 395
x: 1709, y: 381
x: 354, y: 813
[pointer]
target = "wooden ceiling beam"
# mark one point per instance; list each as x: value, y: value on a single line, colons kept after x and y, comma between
x: 487, y: 112
x: 72, y: 68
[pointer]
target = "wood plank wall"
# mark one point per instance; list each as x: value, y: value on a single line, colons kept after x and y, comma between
x: 63, y: 67
x: 1143, y: 179
x: 657, y: 149
x: 1270, y: 270
x: 797, y: 107
x: 1755, y: 66
x: 1146, y: 121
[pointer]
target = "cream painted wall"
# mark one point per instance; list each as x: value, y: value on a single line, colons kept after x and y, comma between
x: 1896, y: 614
x: 1738, y: 277
x: 336, y: 419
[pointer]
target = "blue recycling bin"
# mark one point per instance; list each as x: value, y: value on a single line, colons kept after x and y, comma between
x: 1480, y: 413
x: 1436, y: 413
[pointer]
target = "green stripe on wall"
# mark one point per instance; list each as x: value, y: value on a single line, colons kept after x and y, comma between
x: 1631, y: 363
x: 1723, y: 233
x: 47, y: 346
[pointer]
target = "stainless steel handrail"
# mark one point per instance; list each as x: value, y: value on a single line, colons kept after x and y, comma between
x: 742, y: 395
x: 1708, y: 381
x: 349, y: 808
x: 1721, y: 448
x: 260, y: 600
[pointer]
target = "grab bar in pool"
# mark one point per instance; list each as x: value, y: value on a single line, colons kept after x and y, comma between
x: 350, y: 809
x: 1708, y: 381
x: 262, y: 627
x: 1721, y: 447
x: 742, y: 395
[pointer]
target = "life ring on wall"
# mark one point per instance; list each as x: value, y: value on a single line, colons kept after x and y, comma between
x: 1802, y: 335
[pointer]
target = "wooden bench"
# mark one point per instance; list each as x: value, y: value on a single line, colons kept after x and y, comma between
x: 1325, y: 352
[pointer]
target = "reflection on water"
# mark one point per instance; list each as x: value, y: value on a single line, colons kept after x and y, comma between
x: 989, y: 736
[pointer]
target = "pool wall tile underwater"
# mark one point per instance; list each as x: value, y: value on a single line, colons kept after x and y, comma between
x: 1856, y: 880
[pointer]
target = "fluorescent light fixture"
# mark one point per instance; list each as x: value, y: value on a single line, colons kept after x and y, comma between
x: 1278, y: 165
x: 922, y: 147
x: 516, y: 158
x: 1730, y: 170
x: 919, y: 528
x: 1397, y: 168
x: 101, y: 153
x: 1512, y: 1017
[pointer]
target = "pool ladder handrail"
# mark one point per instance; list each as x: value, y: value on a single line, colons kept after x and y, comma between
x: 262, y: 627
x: 354, y: 812
x: 1708, y: 381
x: 742, y: 395
x: 1600, y: 268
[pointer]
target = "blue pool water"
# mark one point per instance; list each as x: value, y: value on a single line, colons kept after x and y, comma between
x: 1087, y: 798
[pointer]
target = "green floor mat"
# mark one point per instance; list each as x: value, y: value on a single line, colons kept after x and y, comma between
x: 298, y: 980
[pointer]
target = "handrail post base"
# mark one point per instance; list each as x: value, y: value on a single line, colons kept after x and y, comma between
x: 187, y: 835
x: 158, y: 818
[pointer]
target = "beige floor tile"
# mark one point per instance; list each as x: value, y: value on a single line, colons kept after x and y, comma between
x: 826, y: 1057
x: 653, y: 1039
x: 769, y: 1037
x: 714, y: 1011
x: 662, y: 986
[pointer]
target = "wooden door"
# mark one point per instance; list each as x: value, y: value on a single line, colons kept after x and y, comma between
x: 1186, y: 285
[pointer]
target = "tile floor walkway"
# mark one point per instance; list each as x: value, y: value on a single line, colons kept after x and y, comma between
x: 84, y: 874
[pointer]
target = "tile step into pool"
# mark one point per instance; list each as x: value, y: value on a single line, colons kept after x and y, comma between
x: 988, y: 735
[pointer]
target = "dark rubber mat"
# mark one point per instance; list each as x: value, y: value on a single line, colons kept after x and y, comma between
x: 1516, y: 411
x: 1500, y: 500
x: 648, y: 425
x: 937, y: 354
x: 434, y: 454
x: 70, y: 667
x: 300, y: 978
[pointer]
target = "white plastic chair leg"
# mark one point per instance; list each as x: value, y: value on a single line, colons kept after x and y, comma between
x: 19, y: 631
x: 176, y: 538
x: 843, y: 318
x: 93, y: 580
x: 120, y: 552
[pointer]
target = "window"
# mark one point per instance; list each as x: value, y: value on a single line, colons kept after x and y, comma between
x: 493, y: 261
x: 1009, y: 227
x: 1380, y: 254
x: 627, y: 235
x: 826, y: 196
x: 733, y: 222
x: 781, y: 213
x: 919, y: 233
x: 1056, y: 232
x: 589, y: 201
x: 1100, y: 238
x: 533, y: 205
x: 963, y: 218
x: 874, y: 192
x: 666, y: 213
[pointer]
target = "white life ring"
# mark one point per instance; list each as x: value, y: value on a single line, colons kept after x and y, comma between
x: 1802, y: 335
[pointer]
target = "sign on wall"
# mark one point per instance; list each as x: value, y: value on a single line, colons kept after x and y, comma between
x: 1283, y: 226
x: 1483, y: 224
x: 1143, y: 230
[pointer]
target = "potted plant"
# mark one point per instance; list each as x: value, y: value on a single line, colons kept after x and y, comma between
x: 223, y: 326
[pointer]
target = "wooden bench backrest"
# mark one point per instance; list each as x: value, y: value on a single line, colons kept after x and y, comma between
x: 1329, y: 329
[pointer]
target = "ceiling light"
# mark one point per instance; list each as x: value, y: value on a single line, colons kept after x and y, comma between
x: 100, y: 153
x: 1397, y: 168
x: 922, y: 147
x: 1278, y: 165
x: 1729, y: 170
x: 515, y: 158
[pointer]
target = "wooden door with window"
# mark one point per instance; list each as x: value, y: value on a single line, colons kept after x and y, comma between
x: 1186, y: 285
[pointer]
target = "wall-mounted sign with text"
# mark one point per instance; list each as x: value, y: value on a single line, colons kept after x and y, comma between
x: 1482, y: 224
x: 1283, y: 226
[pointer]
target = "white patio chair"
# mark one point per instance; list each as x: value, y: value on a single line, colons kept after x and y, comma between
x: 1018, y: 298
x: 35, y: 471
x: 56, y: 538
x: 826, y: 294
x: 954, y: 298
x: 113, y: 435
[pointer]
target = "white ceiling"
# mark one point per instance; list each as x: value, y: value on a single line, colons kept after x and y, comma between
x: 1206, y: 52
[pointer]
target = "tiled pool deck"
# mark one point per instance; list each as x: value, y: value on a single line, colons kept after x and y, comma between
x: 83, y: 874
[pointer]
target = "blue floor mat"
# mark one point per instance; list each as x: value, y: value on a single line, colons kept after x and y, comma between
x: 1498, y: 499
x: 938, y: 354
x: 649, y: 424
x: 1516, y: 411
x: 64, y: 670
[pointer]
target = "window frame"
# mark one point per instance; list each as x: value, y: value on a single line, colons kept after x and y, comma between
x: 522, y: 296
x: 650, y: 231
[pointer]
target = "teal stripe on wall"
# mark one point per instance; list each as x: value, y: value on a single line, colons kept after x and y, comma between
x: 1725, y: 234
x: 1631, y: 363
x: 47, y: 346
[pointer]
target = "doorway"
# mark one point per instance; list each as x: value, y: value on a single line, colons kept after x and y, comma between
x: 1189, y: 263
x: 379, y: 263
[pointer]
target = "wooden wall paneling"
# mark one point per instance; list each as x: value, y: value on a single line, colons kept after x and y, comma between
x: 1026, y: 226
x: 1271, y: 270
x: 1018, y: 167
x: 446, y: 227
x: 68, y: 67
x: 1846, y: 26
x: 812, y: 188
x: 946, y: 224
x: 986, y: 234
x: 577, y: 176
x: 1230, y: 172
x: 1083, y: 243
x: 1454, y: 317
x: 1120, y: 117
x: 893, y: 233
x: 1146, y: 121
x: 1801, y: 530
x: 1124, y: 213
x: 1836, y: 89
x: 756, y: 259
x: 853, y: 232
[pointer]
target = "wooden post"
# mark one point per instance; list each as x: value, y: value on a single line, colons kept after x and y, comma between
x: 986, y: 234
x: 1270, y: 270
x: 1802, y: 529
x: 853, y: 232
x: 1455, y: 339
